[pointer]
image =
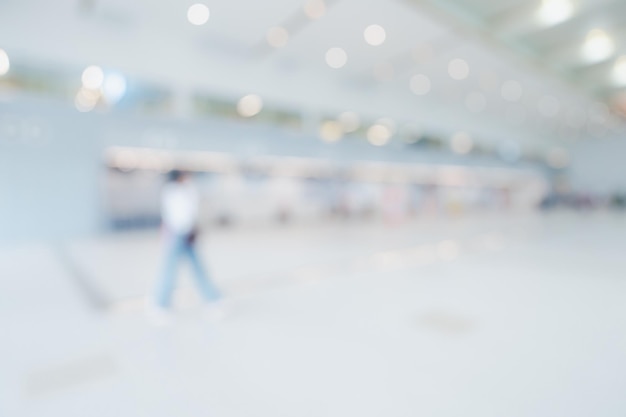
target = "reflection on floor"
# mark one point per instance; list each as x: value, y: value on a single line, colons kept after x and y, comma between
x: 520, y: 316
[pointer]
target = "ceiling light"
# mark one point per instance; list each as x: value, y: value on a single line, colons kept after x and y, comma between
x: 619, y: 71
x: 511, y: 90
x: 5, y: 64
x: 461, y: 143
x: 331, y: 131
x: 388, y: 123
x: 315, y: 9
x: 553, y: 12
x: 598, y: 46
x: 378, y: 135
x: 198, y: 14
x: 277, y: 37
x: 89, y: 95
x: 114, y: 87
x: 336, y: 58
x: 350, y: 121
x: 249, y: 105
x: 420, y: 84
x: 86, y: 100
x: 375, y: 35
x: 458, y: 69
x: 93, y: 77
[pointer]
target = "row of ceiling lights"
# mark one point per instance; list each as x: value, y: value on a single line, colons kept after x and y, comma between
x: 461, y: 143
x: 198, y: 14
x: 476, y: 102
x: 374, y: 35
x: 382, y: 130
x: 551, y: 12
x: 97, y: 86
x: 378, y: 134
x: 112, y: 87
x: 598, y: 46
x: 94, y: 85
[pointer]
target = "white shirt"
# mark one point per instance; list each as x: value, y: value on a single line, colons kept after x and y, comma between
x: 179, y: 207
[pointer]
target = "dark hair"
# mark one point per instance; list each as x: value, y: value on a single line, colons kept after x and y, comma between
x: 175, y: 175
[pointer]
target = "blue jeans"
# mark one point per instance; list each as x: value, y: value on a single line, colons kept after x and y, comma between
x: 177, y: 247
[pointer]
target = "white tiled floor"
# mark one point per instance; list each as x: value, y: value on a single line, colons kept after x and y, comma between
x: 522, y: 316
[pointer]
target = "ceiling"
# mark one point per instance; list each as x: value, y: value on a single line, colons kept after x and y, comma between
x: 553, y: 47
x: 550, y: 96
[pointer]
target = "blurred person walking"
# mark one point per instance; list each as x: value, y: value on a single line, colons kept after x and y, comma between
x: 179, y: 213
